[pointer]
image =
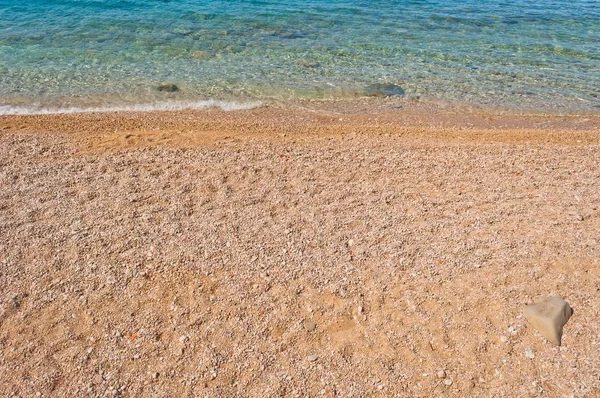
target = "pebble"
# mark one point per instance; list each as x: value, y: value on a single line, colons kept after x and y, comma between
x: 183, y: 339
x: 168, y: 87
x: 312, y: 358
x: 504, y: 339
x: 529, y: 354
x: 155, y: 375
x: 310, y: 326
x: 384, y: 90
x: 448, y: 382
x: 441, y: 374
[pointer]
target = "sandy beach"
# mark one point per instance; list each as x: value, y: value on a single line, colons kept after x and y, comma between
x: 366, y: 248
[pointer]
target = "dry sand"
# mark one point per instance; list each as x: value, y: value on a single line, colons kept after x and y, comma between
x: 359, y: 249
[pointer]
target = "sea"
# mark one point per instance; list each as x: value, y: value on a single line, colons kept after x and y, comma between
x: 93, y: 55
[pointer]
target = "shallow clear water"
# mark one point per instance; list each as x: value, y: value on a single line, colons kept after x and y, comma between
x: 521, y: 54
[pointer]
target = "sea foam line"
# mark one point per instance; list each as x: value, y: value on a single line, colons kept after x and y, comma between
x: 156, y: 106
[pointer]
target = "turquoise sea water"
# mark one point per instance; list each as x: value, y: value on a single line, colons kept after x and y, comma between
x: 520, y: 54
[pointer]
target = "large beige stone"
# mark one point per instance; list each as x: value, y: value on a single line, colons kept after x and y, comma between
x: 548, y: 315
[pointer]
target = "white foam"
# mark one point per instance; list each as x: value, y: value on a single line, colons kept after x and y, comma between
x: 156, y: 106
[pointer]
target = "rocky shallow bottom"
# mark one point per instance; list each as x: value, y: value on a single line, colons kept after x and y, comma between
x: 278, y: 253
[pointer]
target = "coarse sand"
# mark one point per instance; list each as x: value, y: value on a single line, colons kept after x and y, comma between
x: 371, y: 248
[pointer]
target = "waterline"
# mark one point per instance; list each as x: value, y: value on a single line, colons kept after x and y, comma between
x: 157, y: 106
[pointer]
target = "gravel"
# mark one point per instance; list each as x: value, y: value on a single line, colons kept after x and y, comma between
x: 138, y: 235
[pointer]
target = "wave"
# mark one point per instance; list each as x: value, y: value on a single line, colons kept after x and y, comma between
x: 156, y: 106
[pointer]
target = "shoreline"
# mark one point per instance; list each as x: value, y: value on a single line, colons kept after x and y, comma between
x: 171, y: 103
x: 367, y: 116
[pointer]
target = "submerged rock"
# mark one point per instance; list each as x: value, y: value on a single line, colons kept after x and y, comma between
x: 201, y: 55
x: 384, y: 90
x: 306, y: 64
x: 168, y: 87
x: 288, y: 34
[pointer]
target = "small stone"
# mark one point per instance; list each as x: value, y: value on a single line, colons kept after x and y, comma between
x: 360, y: 309
x: 201, y: 55
x: 380, y: 387
x: 529, y: 354
x: 183, y: 339
x: 155, y: 375
x: 504, y: 339
x: 310, y: 326
x: 441, y: 374
x: 548, y: 316
x: 312, y: 358
x: 384, y: 90
x: 580, y: 217
x: 448, y: 382
x: 306, y: 64
x: 168, y: 87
